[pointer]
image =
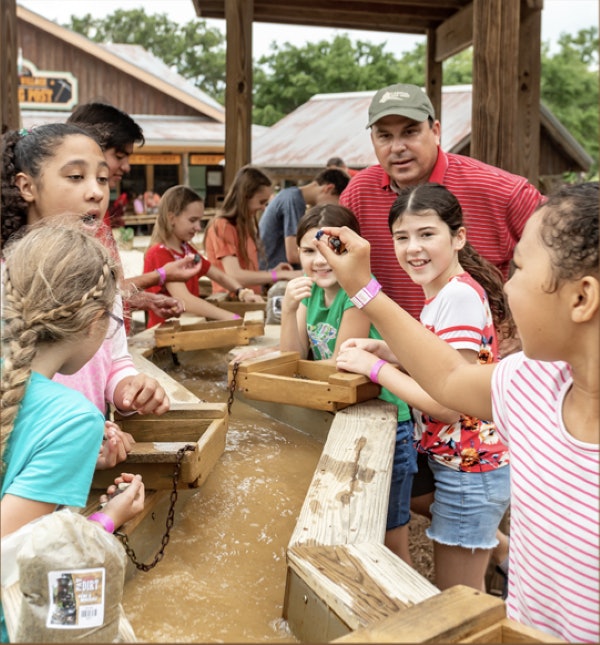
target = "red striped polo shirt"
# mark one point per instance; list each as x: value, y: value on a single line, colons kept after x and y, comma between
x: 495, y: 203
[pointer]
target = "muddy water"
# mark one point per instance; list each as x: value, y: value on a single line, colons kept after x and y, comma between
x: 223, y: 575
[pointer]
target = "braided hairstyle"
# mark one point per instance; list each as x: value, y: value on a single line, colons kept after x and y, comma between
x: 437, y: 198
x: 56, y: 281
x: 26, y: 151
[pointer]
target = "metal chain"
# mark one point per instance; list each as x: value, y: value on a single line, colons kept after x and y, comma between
x: 169, y: 523
x: 232, y: 385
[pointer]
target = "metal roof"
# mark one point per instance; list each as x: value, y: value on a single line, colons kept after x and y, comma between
x: 335, y: 125
x: 168, y: 133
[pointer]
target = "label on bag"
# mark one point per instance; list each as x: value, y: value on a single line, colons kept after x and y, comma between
x: 76, y: 599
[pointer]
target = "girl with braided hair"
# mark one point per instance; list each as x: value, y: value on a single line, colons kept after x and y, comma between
x: 59, y: 285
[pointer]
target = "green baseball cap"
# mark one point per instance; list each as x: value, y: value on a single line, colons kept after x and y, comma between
x: 401, y: 100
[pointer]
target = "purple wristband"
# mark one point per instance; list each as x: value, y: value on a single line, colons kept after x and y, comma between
x: 374, y: 375
x: 274, y: 275
x: 236, y: 317
x: 162, y: 275
x: 105, y: 520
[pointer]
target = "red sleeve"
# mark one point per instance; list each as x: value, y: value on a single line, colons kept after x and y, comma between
x: 156, y: 257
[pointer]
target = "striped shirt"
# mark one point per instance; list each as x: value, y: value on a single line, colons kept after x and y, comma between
x: 554, y: 527
x: 495, y: 204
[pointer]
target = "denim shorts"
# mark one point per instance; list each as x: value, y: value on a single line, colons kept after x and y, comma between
x: 468, y: 507
x: 403, y: 471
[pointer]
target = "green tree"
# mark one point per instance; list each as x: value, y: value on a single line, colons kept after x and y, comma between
x: 569, y: 86
x: 290, y: 75
x: 196, y: 51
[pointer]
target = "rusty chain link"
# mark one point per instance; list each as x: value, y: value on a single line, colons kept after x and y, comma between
x: 232, y: 385
x: 169, y: 523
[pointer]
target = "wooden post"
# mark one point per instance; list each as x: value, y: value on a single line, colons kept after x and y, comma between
x: 529, y: 89
x: 433, y: 75
x: 9, y: 101
x: 495, y: 123
x: 238, y: 93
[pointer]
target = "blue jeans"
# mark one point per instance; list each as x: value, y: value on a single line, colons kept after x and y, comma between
x: 403, y: 471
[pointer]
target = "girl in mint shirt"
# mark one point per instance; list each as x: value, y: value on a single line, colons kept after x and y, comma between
x: 317, y: 317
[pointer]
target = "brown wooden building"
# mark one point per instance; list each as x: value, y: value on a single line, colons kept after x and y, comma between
x: 183, y: 127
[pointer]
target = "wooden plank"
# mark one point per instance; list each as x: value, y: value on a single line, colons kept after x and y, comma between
x: 307, y: 616
x: 347, y: 499
x: 238, y: 90
x: 267, y: 362
x: 447, y: 617
x: 9, y: 97
x: 454, y: 35
x: 360, y: 583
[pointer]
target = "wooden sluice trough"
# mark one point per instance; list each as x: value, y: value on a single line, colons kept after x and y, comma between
x: 343, y: 584
x: 238, y: 307
x: 186, y: 336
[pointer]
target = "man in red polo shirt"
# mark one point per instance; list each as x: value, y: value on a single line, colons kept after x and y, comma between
x: 406, y: 139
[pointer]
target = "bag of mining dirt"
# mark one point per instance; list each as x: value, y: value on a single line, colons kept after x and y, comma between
x: 71, y: 577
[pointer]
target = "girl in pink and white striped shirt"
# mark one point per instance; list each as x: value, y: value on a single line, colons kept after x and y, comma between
x: 544, y: 401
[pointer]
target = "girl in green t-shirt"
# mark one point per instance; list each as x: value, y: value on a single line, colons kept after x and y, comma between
x: 317, y: 316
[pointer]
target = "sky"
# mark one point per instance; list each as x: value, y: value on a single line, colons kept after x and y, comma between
x: 558, y: 16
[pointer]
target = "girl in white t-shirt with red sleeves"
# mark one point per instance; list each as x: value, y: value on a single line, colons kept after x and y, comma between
x: 464, y: 304
x: 544, y: 401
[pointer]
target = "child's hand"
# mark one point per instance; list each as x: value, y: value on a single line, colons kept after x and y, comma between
x: 183, y: 269
x: 122, y: 504
x: 141, y: 393
x: 354, y: 359
x: 295, y: 291
x: 115, y: 447
x: 378, y: 347
x: 353, y: 268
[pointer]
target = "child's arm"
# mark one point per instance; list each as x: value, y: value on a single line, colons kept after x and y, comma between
x: 293, y: 336
x: 354, y: 359
x: 431, y: 361
x: 248, y: 278
x: 354, y: 324
x: 373, y: 345
x: 16, y: 511
x: 177, y: 270
x: 197, y: 306
x: 243, y: 293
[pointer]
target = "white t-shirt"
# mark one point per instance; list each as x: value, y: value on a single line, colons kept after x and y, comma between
x: 555, y: 508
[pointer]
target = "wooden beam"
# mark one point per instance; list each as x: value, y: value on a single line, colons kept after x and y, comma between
x: 433, y: 74
x: 495, y: 127
x: 454, y: 34
x: 238, y: 93
x: 9, y: 101
x: 529, y: 91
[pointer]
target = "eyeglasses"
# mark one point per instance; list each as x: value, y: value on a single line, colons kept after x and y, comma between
x: 115, y: 323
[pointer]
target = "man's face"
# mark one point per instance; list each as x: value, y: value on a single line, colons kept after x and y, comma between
x: 118, y: 163
x: 406, y: 149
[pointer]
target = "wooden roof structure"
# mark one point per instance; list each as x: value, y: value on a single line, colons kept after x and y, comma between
x: 506, y: 40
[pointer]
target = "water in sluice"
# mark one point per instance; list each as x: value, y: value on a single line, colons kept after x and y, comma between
x: 223, y: 575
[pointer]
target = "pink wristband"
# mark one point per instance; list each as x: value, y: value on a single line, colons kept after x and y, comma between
x: 105, y: 520
x: 366, y: 294
x: 274, y: 275
x: 162, y: 275
x: 236, y: 317
x: 374, y: 374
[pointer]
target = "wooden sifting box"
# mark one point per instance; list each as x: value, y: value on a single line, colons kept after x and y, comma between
x: 282, y: 377
x: 158, y: 438
x: 236, y: 306
x: 182, y: 337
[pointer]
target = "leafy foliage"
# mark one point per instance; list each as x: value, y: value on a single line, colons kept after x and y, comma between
x: 196, y: 51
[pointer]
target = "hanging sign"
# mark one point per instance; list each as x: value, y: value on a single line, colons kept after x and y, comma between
x: 40, y: 90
